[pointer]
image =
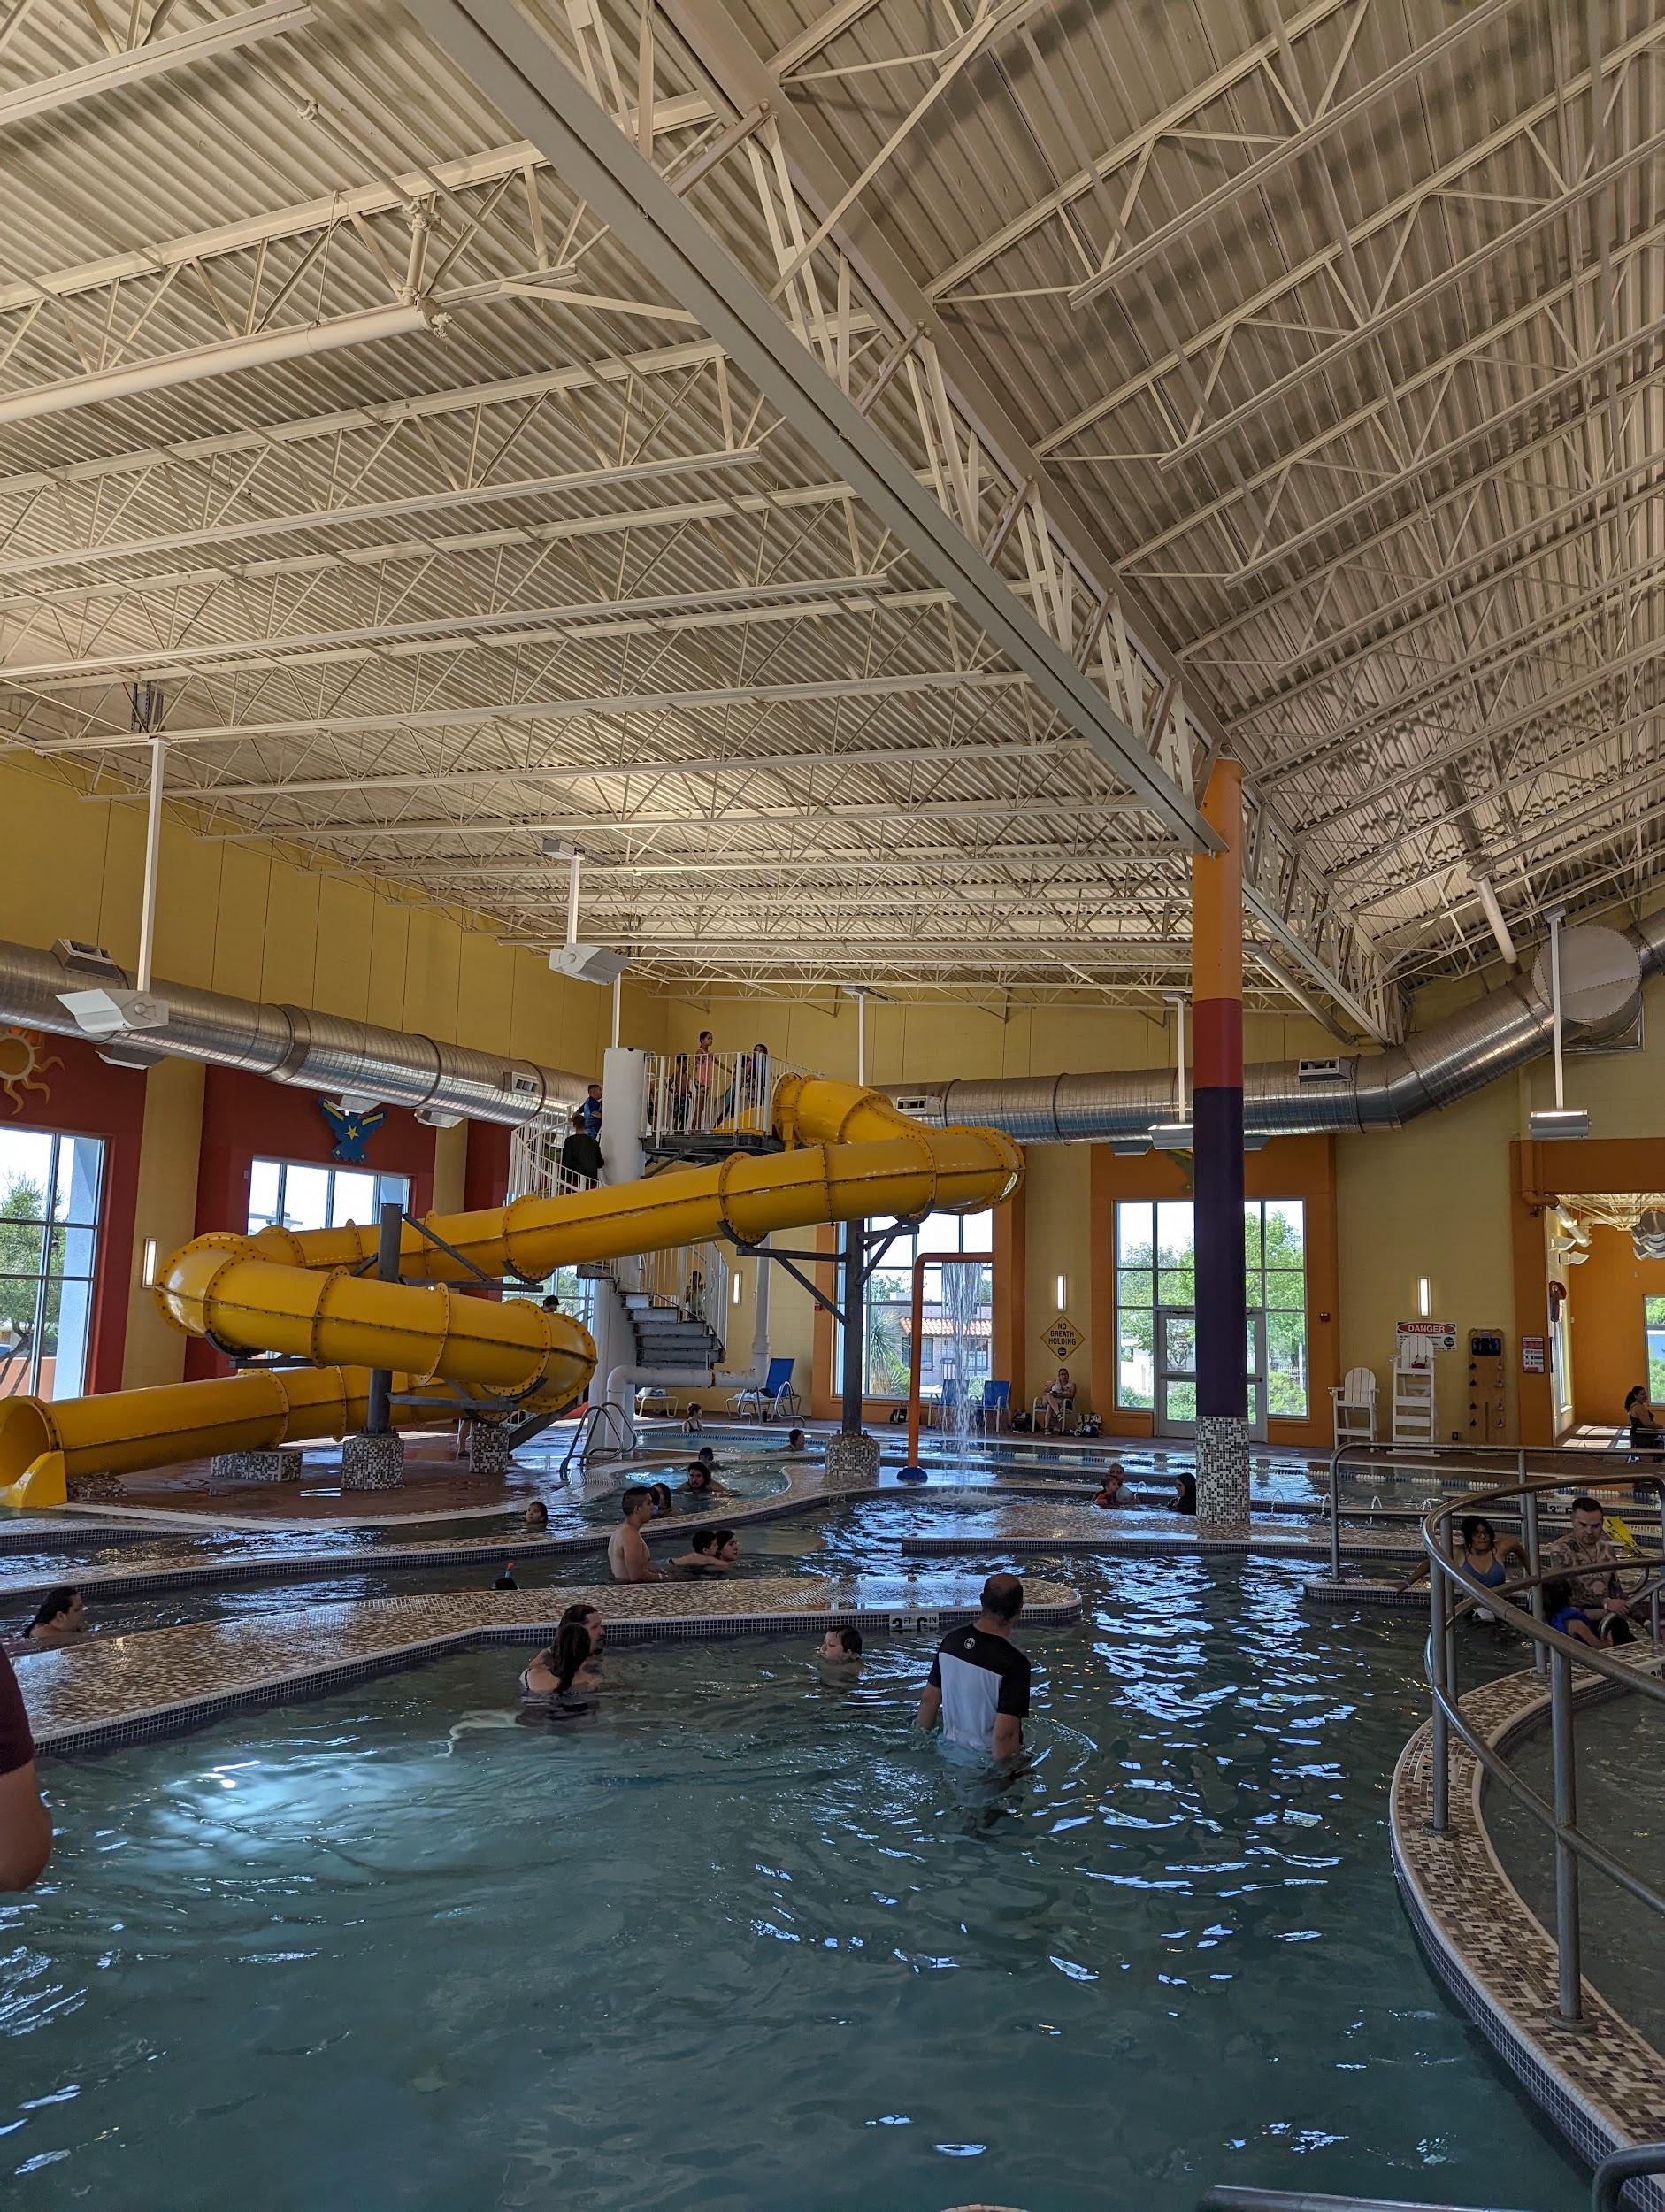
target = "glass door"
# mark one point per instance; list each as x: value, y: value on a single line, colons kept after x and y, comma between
x: 1176, y: 1371
x: 50, y: 1191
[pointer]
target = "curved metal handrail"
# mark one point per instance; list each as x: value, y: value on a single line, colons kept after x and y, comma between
x: 1450, y: 1457
x: 1450, y: 1596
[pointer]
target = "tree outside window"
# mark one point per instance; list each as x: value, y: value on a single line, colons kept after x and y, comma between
x: 1155, y: 1267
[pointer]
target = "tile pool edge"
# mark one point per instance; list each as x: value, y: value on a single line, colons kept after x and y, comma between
x: 178, y: 1716
x: 1603, y: 2091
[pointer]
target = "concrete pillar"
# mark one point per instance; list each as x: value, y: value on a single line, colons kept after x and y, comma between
x: 1216, y: 970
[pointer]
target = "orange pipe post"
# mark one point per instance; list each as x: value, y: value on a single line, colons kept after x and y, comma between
x: 913, y: 1471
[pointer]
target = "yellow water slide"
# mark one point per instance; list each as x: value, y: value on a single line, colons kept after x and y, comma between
x: 848, y: 1155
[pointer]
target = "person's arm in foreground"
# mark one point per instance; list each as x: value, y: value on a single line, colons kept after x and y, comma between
x: 931, y: 1702
x: 26, y: 1826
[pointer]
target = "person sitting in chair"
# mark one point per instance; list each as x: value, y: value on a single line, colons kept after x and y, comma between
x: 1054, y: 1408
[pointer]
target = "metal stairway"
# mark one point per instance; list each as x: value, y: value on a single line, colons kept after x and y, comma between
x: 668, y: 1336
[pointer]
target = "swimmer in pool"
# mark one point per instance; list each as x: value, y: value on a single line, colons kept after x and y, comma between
x: 797, y: 1444
x: 627, y: 1557
x: 1110, y: 1489
x: 662, y: 1500
x: 537, y: 1517
x: 840, y: 1646
x: 700, y: 1484
x: 506, y: 1580
x: 714, y: 1552
x: 60, y: 1619
x: 573, y: 1661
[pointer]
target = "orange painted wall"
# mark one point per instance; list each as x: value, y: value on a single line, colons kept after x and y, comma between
x: 1608, y: 1350
x: 1290, y: 1167
x: 1609, y: 1342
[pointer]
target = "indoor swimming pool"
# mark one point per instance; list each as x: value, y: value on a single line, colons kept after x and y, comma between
x: 741, y: 1936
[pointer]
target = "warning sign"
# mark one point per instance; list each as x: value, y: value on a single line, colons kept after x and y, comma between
x: 1063, y: 1337
x: 1443, y: 1333
x: 1534, y: 1356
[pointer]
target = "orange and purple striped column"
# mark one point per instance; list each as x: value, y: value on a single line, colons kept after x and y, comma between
x: 1216, y: 989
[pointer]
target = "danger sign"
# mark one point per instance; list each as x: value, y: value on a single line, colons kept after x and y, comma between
x: 1443, y: 1333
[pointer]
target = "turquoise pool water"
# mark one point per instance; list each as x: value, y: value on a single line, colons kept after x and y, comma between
x: 744, y: 1939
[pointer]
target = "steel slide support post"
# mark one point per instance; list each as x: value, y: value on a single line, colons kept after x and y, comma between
x: 1568, y: 1961
x: 1217, y: 967
x: 854, y: 1323
x: 379, y: 1413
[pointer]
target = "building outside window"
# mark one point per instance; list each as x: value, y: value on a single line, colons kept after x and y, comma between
x: 958, y: 1317
x: 294, y: 1194
x: 1654, y: 1323
x: 51, y: 1190
x: 1156, y: 1309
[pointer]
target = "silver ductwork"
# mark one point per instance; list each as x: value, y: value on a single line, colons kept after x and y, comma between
x: 327, y: 1053
x: 1601, y: 977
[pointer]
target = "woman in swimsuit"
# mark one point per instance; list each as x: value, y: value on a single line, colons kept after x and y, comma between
x: 572, y: 1662
x: 1481, y: 1557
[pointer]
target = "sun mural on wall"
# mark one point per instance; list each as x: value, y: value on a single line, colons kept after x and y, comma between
x: 24, y: 1060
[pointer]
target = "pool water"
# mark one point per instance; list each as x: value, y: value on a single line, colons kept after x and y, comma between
x: 743, y: 1939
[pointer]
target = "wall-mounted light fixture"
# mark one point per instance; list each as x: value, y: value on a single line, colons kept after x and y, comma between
x: 146, y: 1265
x: 1064, y: 1293
x: 735, y: 1288
x: 1425, y: 1296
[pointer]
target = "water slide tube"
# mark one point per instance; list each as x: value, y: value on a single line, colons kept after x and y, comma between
x: 850, y: 1155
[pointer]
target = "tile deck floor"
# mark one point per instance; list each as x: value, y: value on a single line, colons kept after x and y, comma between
x: 119, y: 1688
x: 1603, y: 2087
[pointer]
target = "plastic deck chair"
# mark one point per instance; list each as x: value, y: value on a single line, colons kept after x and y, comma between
x: 997, y: 1405
x: 1354, y: 1406
x: 776, y: 1390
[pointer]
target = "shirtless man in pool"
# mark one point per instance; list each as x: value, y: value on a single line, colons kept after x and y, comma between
x: 627, y: 1557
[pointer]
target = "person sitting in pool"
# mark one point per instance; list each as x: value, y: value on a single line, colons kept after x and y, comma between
x: 1110, y: 1489
x: 840, y: 1646
x: 1587, y: 1556
x: 664, y: 1503
x: 1481, y: 1557
x: 700, y: 1484
x: 627, y: 1555
x: 692, y: 1421
x: 506, y: 1580
x: 573, y: 1661
x: 59, y: 1619
x: 537, y: 1517
x: 1561, y: 1613
x: 797, y: 1444
x: 714, y: 1552
x: 1185, y: 1498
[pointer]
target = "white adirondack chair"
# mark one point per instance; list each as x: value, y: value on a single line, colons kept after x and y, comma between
x: 1354, y: 1406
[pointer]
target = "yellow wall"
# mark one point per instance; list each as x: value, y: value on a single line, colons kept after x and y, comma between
x: 1059, y: 1240
x: 165, y: 1210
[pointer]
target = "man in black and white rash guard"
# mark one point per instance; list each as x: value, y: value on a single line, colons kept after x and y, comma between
x: 979, y: 1680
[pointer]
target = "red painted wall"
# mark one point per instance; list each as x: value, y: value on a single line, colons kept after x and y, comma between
x: 70, y: 1089
x: 246, y: 1118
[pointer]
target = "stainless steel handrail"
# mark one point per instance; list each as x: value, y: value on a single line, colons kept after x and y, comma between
x: 1436, y: 1457
x: 1450, y: 1595
x: 1621, y: 2166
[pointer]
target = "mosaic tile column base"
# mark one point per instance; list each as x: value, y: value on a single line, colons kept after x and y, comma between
x: 852, y: 1459
x: 489, y: 1449
x: 227, y: 1468
x: 94, y: 1489
x: 1222, y: 1482
x: 373, y: 1463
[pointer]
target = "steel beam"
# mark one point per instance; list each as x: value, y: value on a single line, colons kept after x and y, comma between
x: 139, y: 64
x: 500, y: 52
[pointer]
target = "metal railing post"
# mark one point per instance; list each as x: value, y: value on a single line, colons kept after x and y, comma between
x: 1569, y: 2006
x: 1335, y: 1514
x: 1534, y: 1563
x: 1439, y: 1652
